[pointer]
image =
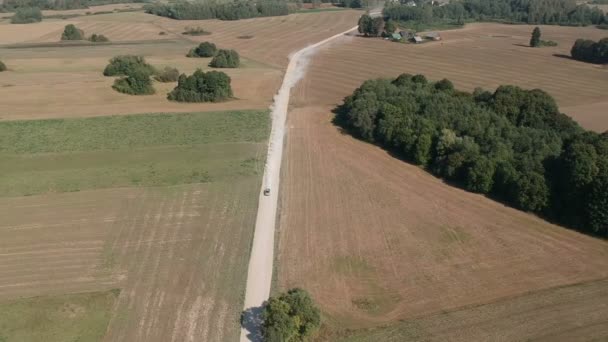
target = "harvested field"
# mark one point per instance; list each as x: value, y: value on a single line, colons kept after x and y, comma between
x: 571, y: 313
x: 377, y: 240
x: 73, y: 317
x: 46, y: 81
x: 179, y: 254
x: 480, y: 55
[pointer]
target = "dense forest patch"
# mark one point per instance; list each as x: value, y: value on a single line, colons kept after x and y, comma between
x: 513, y: 144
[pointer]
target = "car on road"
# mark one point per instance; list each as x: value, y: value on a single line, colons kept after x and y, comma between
x: 267, y: 192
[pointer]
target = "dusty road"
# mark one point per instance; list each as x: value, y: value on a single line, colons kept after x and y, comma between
x: 262, y: 252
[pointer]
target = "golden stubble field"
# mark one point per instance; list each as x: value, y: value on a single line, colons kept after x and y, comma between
x: 378, y: 241
x: 45, y: 80
x: 178, y: 254
x: 167, y: 249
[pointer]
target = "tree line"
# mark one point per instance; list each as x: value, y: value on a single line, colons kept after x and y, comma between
x: 240, y: 9
x: 590, y: 51
x: 13, y: 5
x: 513, y: 144
x: 549, y: 12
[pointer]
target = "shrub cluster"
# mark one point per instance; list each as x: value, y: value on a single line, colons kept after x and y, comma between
x: 98, y: 38
x: 2, y: 66
x: 225, y: 59
x: 590, y: 51
x: 290, y: 316
x: 239, y: 9
x: 168, y: 74
x: 136, y: 82
x: 26, y: 15
x: 512, y: 144
x: 204, y: 49
x: 195, y: 31
x: 71, y: 32
x: 121, y: 65
x: 212, y: 86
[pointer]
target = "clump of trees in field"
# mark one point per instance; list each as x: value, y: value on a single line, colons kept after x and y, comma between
x: 371, y: 27
x: 71, y: 32
x: 590, y: 51
x: 122, y: 65
x: 168, y: 74
x: 2, y: 66
x: 225, y: 59
x: 512, y: 144
x: 136, y: 82
x: 240, y: 9
x: 98, y: 38
x: 26, y: 15
x: 212, y: 86
x: 548, y: 12
x: 535, y: 40
x: 204, y: 49
x: 290, y: 317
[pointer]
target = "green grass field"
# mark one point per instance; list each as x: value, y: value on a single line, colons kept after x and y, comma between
x: 80, y: 317
x: 64, y: 155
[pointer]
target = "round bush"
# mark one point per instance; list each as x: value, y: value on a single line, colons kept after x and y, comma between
x: 225, y: 59
x: 71, y: 32
x: 205, y: 49
x: 122, y: 65
x: 137, y: 82
x: 2, y: 66
x: 212, y: 86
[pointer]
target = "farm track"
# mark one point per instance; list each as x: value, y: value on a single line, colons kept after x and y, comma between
x: 377, y: 240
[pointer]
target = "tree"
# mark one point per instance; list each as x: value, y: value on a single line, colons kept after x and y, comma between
x: 290, y: 317
x: 225, y: 59
x: 212, y: 86
x: 205, y: 49
x: 365, y: 25
x: 535, y: 40
x: 71, y: 32
x: 98, y: 38
x: 2, y: 66
x: 390, y: 27
x: 122, y: 65
x: 137, y: 82
x: 377, y: 26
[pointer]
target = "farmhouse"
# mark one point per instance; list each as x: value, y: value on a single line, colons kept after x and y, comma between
x: 396, y: 36
x: 417, y: 39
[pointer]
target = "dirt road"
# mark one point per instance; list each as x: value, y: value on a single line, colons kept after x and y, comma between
x: 262, y: 252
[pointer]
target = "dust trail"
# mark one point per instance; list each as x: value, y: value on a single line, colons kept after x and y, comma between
x: 259, y: 275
